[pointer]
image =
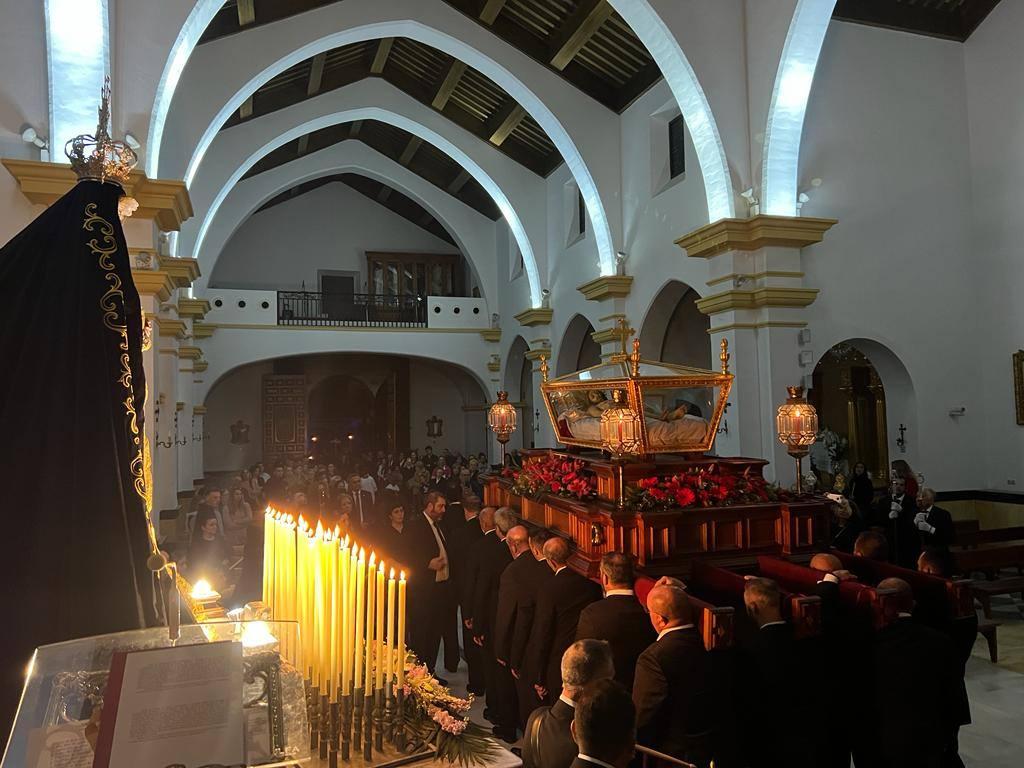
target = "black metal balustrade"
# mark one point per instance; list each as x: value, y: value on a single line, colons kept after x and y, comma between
x: 307, y: 308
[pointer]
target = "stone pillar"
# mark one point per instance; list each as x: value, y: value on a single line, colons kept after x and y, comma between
x: 536, y: 324
x: 610, y: 293
x: 756, y: 302
x: 198, y: 439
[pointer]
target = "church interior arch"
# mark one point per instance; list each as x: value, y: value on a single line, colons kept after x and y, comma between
x: 674, y: 330
x: 578, y: 349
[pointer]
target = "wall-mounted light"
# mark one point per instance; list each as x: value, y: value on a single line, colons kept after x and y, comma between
x: 31, y: 136
x: 132, y: 142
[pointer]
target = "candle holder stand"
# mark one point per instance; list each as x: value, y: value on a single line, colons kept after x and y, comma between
x: 346, y: 727
x: 357, y: 719
x: 325, y: 726
x: 389, y: 713
x: 313, y: 709
x: 368, y: 728
x: 378, y: 720
x: 335, y: 725
x: 400, y: 718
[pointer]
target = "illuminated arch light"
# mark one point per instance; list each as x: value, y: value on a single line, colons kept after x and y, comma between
x: 362, y: 164
x: 78, y: 60
x: 789, y: 105
x: 693, y: 104
x: 454, y: 47
x: 411, y: 126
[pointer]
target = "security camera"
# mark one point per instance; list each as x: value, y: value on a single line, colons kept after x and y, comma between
x: 545, y: 292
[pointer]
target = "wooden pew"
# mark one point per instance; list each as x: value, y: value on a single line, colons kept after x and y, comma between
x: 719, y: 585
x: 988, y: 558
x: 972, y: 538
x: 714, y: 622
x: 866, y: 603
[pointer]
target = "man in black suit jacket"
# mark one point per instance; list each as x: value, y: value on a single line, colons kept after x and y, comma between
x: 429, y: 579
x: 897, y: 513
x: 672, y: 690
x: 491, y: 557
x: 557, y: 615
x: 916, y: 689
x: 462, y: 541
x: 604, y: 727
x: 934, y: 524
x: 618, y: 618
x: 530, y: 575
x: 547, y: 737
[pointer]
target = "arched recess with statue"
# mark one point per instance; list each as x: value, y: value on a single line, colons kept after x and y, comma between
x: 328, y: 404
x: 674, y: 330
x: 578, y: 349
x: 866, y: 408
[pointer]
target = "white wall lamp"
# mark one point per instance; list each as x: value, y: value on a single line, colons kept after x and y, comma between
x: 31, y: 136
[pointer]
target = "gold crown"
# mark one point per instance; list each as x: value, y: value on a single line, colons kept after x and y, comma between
x: 100, y: 157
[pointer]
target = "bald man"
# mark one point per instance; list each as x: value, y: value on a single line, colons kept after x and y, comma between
x: 505, y: 709
x: 916, y: 688
x: 672, y: 688
x: 556, y: 617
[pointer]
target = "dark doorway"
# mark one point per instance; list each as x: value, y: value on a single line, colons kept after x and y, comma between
x: 338, y: 292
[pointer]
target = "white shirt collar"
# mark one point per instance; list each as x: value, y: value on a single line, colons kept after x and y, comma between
x: 595, y: 761
x: 774, y: 624
x: 490, y: 531
x: 904, y: 615
x: 930, y: 507
x: 559, y: 570
x: 568, y: 701
x: 673, y: 629
x: 612, y: 592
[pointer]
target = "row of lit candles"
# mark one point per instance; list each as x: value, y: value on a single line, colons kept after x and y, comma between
x: 351, y: 618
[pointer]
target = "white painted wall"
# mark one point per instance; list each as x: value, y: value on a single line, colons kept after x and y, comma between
x: 236, y: 397
x: 995, y: 94
x: 886, y: 132
x: 330, y: 228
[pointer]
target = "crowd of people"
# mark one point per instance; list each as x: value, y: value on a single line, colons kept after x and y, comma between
x: 546, y: 646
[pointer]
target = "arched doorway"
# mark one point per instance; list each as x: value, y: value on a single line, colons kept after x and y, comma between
x: 863, y: 395
x: 343, y: 412
x: 578, y: 349
x: 519, y: 385
x: 674, y: 330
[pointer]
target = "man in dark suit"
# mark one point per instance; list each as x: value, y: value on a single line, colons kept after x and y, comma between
x: 509, y: 586
x: 547, y: 738
x: 776, y: 683
x: 897, y: 513
x: 531, y: 575
x: 557, y: 615
x: 364, y: 516
x: 916, y: 688
x: 934, y: 524
x: 618, y: 618
x: 604, y: 727
x: 672, y: 689
x: 492, y: 556
x: 429, y: 579
x: 462, y: 541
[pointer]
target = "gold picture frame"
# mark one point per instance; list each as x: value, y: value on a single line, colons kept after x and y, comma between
x: 1018, y: 384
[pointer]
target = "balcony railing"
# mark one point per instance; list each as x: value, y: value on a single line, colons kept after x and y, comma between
x: 307, y: 308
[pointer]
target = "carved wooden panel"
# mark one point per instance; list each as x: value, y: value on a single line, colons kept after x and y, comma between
x: 284, y: 417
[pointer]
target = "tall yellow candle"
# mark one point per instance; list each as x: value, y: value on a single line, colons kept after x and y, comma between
x: 379, y: 641
x: 335, y: 611
x: 357, y: 636
x: 308, y: 546
x: 268, y: 556
x: 344, y: 559
x: 390, y: 649
x: 401, y: 629
x: 371, y: 594
x: 288, y: 602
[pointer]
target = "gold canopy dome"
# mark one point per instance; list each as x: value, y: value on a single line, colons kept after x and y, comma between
x: 678, y: 407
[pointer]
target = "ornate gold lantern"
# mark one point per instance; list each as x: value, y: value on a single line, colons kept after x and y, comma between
x: 501, y: 418
x: 797, y: 425
x: 621, y: 435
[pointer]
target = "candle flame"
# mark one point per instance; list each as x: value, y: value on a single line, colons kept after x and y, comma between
x: 401, y: 576
x: 392, y: 576
x: 202, y: 590
x: 373, y: 559
x: 362, y: 554
x: 319, y: 529
x: 380, y: 569
x: 337, y: 532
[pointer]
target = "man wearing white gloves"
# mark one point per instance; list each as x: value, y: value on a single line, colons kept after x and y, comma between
x: 934, y: 524
x: 896, y: 513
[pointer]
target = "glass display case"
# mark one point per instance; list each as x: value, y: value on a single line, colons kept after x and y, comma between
x: 61, y: 705
x: 679, y: 407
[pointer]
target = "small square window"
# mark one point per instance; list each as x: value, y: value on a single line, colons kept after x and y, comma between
x: 676, y: 147
x: 581, y: 214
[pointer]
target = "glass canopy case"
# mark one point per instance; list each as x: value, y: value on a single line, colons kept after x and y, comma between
x: 680, y: 406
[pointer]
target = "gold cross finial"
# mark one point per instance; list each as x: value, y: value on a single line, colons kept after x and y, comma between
x: 544, y: 368
x: 625, y: 332
x: 724, y: 357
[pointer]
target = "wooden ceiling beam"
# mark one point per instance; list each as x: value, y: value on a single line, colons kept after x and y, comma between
x: 410, y: 150
x: 491, y: 10
x: 510, y: 117
x: 458, y: 182
x: 246, y: 12
x: 450, y: 83
x: 932, y: 21
x: 316, y: 74
x: 380, y: 58
x: 245, y: 111
x: 577, y: 29
x: 383, y: 193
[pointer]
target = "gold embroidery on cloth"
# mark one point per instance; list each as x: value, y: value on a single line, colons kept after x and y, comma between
x: 112, y: 305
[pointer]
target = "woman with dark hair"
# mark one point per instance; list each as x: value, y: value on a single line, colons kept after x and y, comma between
x: 859, y: 488
x: 391, y: 534
x: 208, y: 553
x: 900, y: 468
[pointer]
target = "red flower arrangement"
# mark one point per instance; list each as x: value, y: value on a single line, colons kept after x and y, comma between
x: 709, y: 486
x: 553, y: 474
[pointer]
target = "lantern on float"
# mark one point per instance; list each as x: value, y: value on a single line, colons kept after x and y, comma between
x: 501, y: 418
x: 621, y: 435
x: 797, y: 426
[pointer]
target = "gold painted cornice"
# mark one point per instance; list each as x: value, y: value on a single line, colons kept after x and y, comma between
x: 195, y: 308
x: 607, y: 335
x: 494, y: 366
x: 536, y: 354
x: 607, y: 287
x: 166, y: 202
x: 153, y: 282
x: 190, y: 353
x: 199, y: 410
x: 491, y: 334
x: 182, y: 271
x: 200, y: 365
x: 535, y: 316
x: 179, y: 406
x: 175, y: 328
x: 759, y: 297
x: 170, y: 351
x: 751, y: 234
x: 202, y: 330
